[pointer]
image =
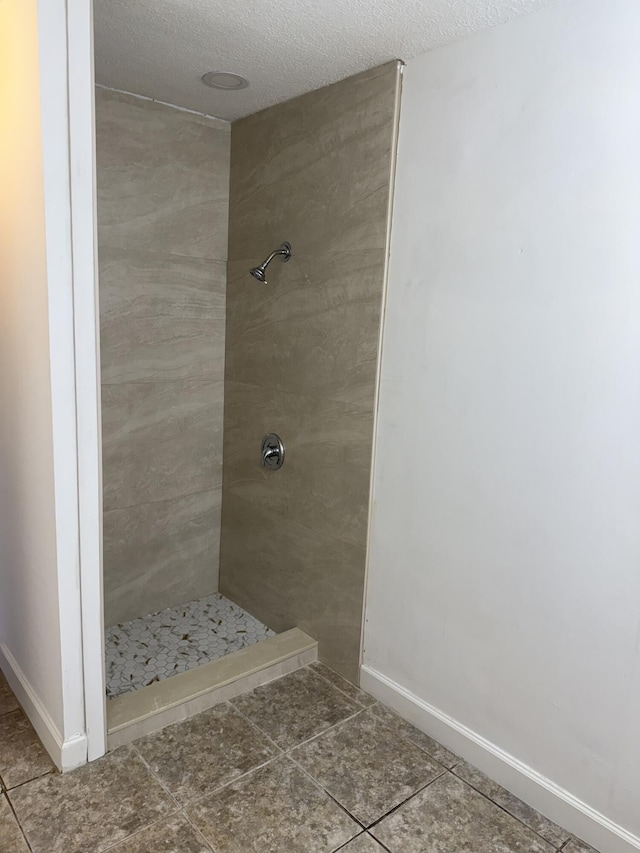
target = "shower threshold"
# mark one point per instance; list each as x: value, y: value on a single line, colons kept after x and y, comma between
x: 214, y: 664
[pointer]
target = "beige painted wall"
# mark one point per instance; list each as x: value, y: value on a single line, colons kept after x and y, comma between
x: 163, y: 195
x: 29, y: 614
x: 302, y: 355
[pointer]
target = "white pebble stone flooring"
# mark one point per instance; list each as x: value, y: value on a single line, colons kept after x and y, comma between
x: 177, y: 639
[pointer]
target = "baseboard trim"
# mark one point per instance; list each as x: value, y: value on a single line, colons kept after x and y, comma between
x: 539, y: 792
x: 65, y: 754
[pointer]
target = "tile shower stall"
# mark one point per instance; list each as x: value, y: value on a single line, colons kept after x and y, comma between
x: 205, y: 551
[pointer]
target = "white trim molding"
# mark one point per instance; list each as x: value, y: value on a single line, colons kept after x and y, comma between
x: 87, y: 368
x: 65, y: 754
x: 539, y: 792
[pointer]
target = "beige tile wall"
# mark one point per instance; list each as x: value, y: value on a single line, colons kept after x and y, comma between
x: 302, y: 355
x: 163, y: 197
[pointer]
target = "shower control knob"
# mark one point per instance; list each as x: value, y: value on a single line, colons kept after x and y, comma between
x: 272, y: 451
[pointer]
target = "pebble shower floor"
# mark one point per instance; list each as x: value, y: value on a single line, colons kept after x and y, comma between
x: 160, y: 645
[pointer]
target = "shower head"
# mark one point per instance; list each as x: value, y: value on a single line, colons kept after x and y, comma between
x: 285, y: 253
x: 258, y: 272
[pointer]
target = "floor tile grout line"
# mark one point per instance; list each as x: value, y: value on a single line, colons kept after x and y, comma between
x: 18, y: 710
x: 324, y: 731
x: 165, y: 818
x: 155, y: 775
x: 140, y: 830
x: 282, y: 753
x: 361, y: 710
x: 344, y: 693
x: 213, y: 791
x: 515, y: 817
x: 450, y: 772
x: 253, y: 725
x: 405, y: 801
x: 218, y: 788
x: 413, y: 742
x: 319, y: 785
x: 414, y: 745
x: 359, y: 835
x: 198, y: 831
x: 17, y: 820
x: 302, y: 743
x: 377, y: 841
x: 190, y: 802
x: 28, y: 781
x: 486, y: 796
x: 351, y: 815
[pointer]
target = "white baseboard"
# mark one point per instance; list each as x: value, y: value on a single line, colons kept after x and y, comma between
x: 542, y: 794
x: 65, y: 754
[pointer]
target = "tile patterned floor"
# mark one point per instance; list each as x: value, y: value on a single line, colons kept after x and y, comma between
x: 177, y: 639
x: 305, y: 764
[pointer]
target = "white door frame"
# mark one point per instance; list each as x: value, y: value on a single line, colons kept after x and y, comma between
x: 80, y: 71
x: 66, y: 704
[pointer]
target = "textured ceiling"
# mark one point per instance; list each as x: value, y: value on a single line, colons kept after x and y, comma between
x: 161, y: 48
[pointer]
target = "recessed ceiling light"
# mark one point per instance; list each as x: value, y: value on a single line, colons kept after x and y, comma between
x: 224, y: 80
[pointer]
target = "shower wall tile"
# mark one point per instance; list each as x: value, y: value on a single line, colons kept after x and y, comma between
x: 315, y: 170
x: 324, y: 483
x: 294, y: 577
x: 161, y: 440
x: 163, y: 182
x: 163, y: 197
x: 302, y: 355
x: 161, y: 316
x: 315, y: 334
x: 155, y: 553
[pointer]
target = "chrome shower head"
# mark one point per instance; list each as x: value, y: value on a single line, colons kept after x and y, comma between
x: 258, y: 272
x: 285, y: 253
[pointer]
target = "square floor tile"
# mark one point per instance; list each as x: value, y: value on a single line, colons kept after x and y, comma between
x: 296, y: 707
x: 366, y: 767
x: 11, y: 838
x: 22, y: 756
x: 550, y: 831
x: 205, y: 752
x: 451, y: 817
x: 276, y: 809
x: 8, y: 701
x: 362, y: 844
x: 406, y: 730
x: 343, y: 685
x: 175, y: 835
x: 91, y: 808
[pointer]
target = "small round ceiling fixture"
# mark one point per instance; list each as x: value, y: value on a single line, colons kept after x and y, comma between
x: 226, y: 80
